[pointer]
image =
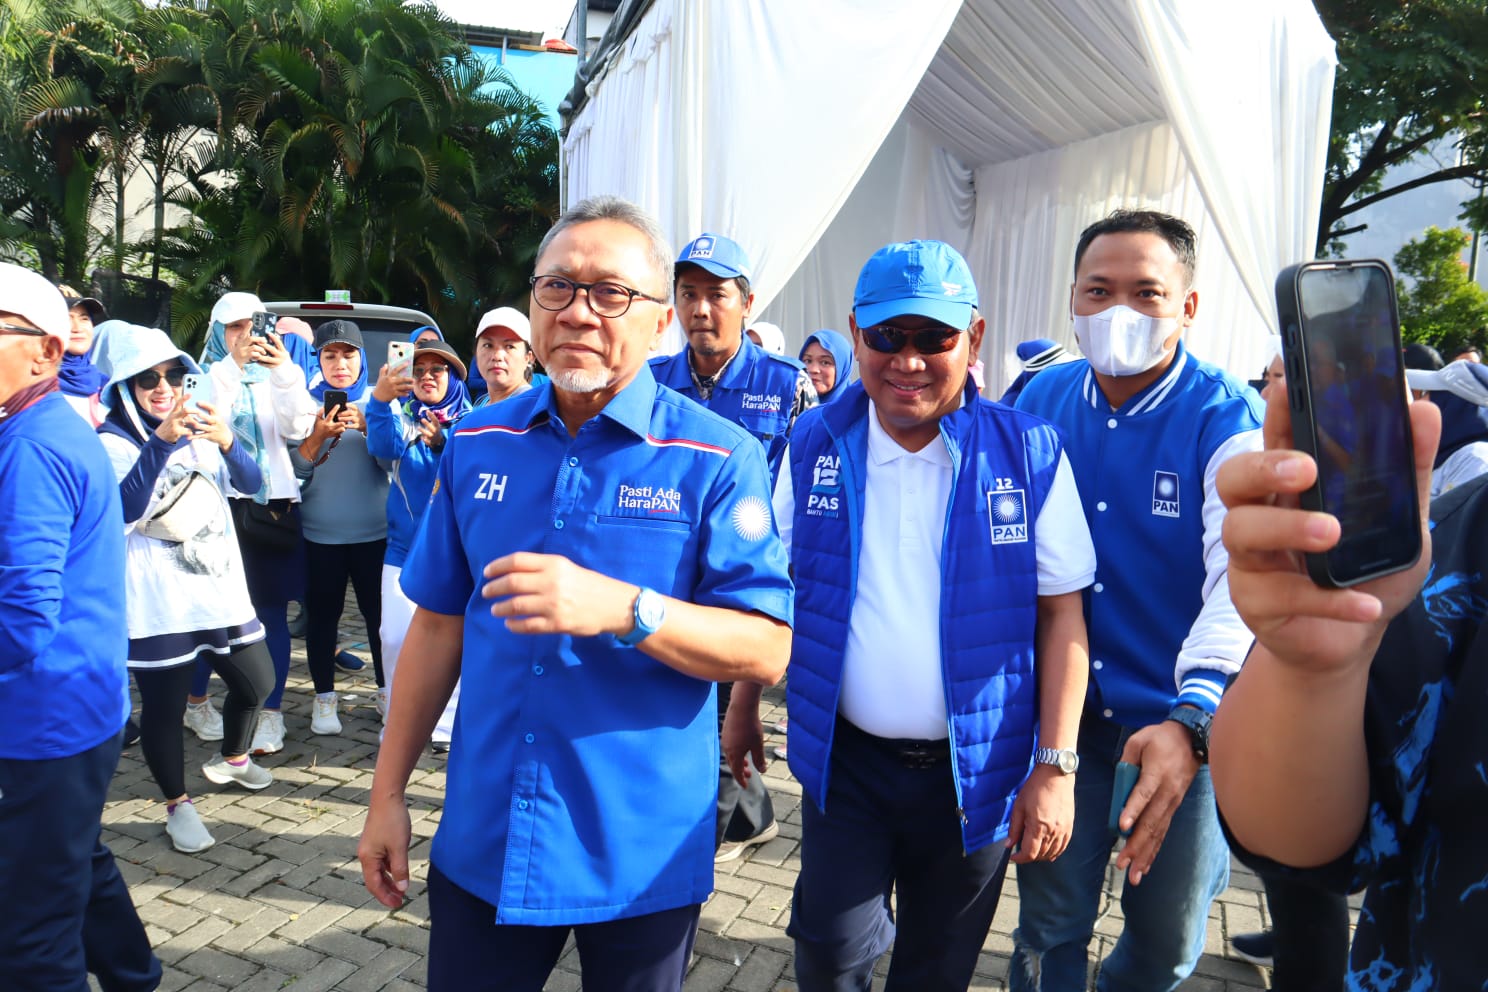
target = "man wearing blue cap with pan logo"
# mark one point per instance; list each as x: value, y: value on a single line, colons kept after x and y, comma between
x: 939, y: 664
x: 762, y: 392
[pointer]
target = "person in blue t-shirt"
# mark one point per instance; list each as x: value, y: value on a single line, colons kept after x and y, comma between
x: 597, y: 552
x: 1351, y: 750
x: 1147, y: 425
x: 64, y: 694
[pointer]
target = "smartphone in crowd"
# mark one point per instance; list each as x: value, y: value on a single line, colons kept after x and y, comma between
x: 197, y: 388
x: 1346, y: 386
x: 334, y: 398
x: 400, y: 357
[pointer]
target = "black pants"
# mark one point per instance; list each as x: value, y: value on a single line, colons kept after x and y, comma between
x: 470, y: 952
x: 248, y: 673
x: 67, y: 912
x: 743, y: 812
x: 891, y: 825
x: 327, y: 568
x: 1309, y: 927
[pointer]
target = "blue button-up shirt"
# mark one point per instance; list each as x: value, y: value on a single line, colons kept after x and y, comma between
x: 582, y: 781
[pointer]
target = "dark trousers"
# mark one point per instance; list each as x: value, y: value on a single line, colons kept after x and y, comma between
x: 743, y: 812
x: 248, y: 672
x: 470, y: 952
x: 327, y: 568
x: 67, y: 912
x: 892, y: 825
x: 1309, y: 927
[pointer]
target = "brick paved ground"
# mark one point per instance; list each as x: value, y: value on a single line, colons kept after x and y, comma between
x: 278, y: 903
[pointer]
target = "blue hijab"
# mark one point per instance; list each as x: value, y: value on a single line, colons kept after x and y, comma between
x: 79, y: 377
x: 841, y: 350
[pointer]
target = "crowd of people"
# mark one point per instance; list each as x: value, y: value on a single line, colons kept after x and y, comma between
x: 1008, y: 626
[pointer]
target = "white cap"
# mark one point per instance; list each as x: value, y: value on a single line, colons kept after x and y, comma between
x: 772, y: 338
x: 26, y: 294
x: 235, y: 306
x: 509, y: 317
x: 1468, y: 380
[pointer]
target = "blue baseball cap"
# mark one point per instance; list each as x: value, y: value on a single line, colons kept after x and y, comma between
x: 924, y: 278
x: 718, y: 255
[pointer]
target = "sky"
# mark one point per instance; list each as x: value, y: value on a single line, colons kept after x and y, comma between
x: 513, y: 15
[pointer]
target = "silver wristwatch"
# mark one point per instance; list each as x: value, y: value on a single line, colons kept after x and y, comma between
x: 1066, y: 760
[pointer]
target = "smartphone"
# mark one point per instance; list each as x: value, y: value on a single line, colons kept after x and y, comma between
x: 196, y: 389
x: 263, y: 323
x: 400, y: 356
x: 1346, y: 386
x: 334, y: 398
x: 1121, y: 788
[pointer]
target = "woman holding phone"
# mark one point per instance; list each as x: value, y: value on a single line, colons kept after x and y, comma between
x: 410, y: 435
x: 187, y: 593
x: 343, y: 492
x: 262, y: 394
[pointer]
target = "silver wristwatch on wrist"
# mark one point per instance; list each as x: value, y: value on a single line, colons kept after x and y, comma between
x: 1065, y: 759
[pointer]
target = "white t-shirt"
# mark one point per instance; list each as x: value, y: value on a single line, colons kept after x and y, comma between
x: 892, y: 683
x: 1463, y: 465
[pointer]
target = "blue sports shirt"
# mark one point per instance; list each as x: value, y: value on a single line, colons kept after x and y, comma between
x: 583, y: 776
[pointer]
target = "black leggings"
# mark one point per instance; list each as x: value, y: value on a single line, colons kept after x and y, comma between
x: 328, y: 566
x: 248, y: 672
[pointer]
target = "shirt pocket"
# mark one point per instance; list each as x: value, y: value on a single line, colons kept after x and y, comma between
x: 651, y: 551
x: 765, y: 426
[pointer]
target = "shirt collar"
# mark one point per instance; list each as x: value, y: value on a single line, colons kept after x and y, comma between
x: 630, y: 408
x: 732, y: 369
x: 883, y: 449
x: 1148, y: 399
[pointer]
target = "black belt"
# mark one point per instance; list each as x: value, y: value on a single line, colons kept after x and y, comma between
x: 909, y: 752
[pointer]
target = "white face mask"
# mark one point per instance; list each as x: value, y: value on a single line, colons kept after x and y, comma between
x: 1120, y: 341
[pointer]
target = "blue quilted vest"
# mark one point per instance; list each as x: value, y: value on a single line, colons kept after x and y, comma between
x: 1003, y: 464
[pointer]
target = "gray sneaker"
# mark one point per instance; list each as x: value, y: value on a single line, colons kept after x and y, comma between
x: 187, y: 832
x: 249, y: 776
x: 204, y: 720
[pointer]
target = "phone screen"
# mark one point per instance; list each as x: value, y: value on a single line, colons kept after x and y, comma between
x: 1344, y: 347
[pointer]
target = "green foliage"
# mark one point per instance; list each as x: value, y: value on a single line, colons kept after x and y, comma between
x: 1410, y: 76
x: 308, y: 145
x: 1441, y: 307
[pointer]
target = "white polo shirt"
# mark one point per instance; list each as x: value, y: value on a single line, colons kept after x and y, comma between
x: 892, y: 683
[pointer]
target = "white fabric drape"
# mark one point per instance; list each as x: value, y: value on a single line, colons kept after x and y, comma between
x: 813, y: 133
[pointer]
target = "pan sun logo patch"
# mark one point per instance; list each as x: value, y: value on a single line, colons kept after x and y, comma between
x: 1165, y: 494
x: 1008, y: 511
x: 751, y: 518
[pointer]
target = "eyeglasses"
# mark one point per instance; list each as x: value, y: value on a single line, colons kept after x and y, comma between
x: 890, y: 340
x: 430, y: 371
x: 149, y: 378
x: 607, y: 299
x: 31, y: 332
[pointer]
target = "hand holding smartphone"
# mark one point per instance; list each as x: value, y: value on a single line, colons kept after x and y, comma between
x: 1346, y: 385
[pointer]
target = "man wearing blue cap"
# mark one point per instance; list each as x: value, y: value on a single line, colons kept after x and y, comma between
x: 1148, y: 426
x: 762, y: 392
x: 939, y: 661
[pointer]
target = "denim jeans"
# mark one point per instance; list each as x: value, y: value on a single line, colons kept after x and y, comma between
x: 1165, y: 916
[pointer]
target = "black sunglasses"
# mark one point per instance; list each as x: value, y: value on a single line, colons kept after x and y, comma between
x: 149, y: 378
x: 890, y: 340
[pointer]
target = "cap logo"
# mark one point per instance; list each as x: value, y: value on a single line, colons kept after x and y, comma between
x: 952, y: 288
x: 701, y: 248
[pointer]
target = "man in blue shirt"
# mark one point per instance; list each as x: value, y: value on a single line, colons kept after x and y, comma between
x: 1147, y: 426
x: 939, y: 663
x: 597, y: 551
x: 723, y: 369
x: 64, y: 691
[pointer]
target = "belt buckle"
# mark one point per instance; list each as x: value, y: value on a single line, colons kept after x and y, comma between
x: 920, y: 757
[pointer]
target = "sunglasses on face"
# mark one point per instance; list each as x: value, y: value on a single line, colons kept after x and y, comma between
x: 430, y: 371
x: 890, y: 340
x: 150, y: 378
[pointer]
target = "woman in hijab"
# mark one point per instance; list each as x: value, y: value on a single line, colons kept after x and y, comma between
x: 187, y: 594
x: 262, y: 393
x: 828, y: 358
x: 410, y: 436
x: 79, y: 379
x: 342, y: 511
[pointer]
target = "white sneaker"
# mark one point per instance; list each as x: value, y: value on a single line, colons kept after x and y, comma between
x: 325, y: 720
x: 187, y: 832
x: 203, y: 720
x: 268, y: 736
x: 382, y: 703
x: 250, y: 776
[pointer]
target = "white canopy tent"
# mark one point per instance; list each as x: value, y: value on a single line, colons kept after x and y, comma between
x: 813, y: 133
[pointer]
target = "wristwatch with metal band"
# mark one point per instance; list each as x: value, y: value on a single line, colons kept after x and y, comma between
x: 1066, y: 760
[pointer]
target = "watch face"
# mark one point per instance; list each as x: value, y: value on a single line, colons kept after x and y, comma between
x: 1068, y: 762
x: 651, y: 609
